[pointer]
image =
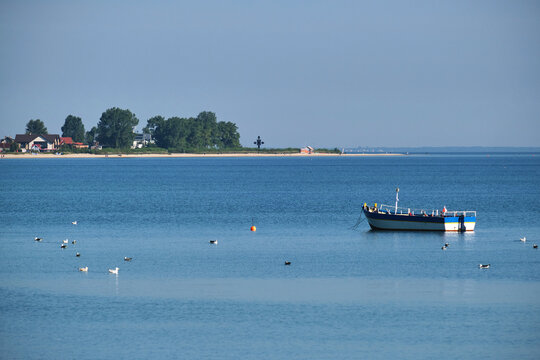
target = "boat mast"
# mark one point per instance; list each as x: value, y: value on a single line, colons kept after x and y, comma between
x: 397, y: 199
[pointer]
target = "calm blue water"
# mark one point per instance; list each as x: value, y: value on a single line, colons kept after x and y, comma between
x: 347, y: 295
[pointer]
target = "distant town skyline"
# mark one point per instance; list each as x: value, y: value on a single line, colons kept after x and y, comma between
x: 297, y: 73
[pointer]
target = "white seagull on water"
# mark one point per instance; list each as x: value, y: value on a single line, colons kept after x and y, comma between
x: 115, y: 271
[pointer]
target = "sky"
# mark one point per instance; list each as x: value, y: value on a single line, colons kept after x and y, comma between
x: 320, y: 73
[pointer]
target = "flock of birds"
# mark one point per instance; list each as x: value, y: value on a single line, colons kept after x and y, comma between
x: 65, y: 242
x: 487, y: 266
x: 215, y: 242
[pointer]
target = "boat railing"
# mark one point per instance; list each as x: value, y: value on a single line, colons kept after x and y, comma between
x: 391, y: 209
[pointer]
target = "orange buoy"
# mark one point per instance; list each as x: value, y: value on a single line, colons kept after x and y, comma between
x: 253, y: 228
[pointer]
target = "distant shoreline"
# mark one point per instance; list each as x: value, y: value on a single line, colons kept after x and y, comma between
x: 177, y: 155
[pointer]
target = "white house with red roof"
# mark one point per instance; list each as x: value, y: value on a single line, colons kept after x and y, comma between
x: 42, y: 142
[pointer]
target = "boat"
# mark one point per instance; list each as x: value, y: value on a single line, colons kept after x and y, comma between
x: 388, y: 217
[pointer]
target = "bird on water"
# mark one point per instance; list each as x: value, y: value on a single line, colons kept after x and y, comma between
x: 114, y: 271
x: 484, y: 266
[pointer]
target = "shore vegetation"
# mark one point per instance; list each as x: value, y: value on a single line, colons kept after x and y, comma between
x: 115, y: 134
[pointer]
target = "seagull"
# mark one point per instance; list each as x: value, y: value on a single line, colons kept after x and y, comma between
x: 74, y: 241
x: 78, y: 255
x: 115, y: 271
x: 74, y: 222
x: 523, y: 239
x: 65, y: 241
x: 38, y: 239
x: 287, y: 263
x: 535, y: 246
x: 84, y: 269
x: 213, y: 242
x: 63, y: 246
x: 127, y: 258
x: 486, y: 266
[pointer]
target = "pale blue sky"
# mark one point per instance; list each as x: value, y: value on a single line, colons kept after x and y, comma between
x: 320, y: 73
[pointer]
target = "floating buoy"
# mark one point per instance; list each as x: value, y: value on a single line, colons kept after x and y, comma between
x: 253, y: 228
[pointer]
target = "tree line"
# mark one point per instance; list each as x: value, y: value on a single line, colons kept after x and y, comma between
x: 116, y: 129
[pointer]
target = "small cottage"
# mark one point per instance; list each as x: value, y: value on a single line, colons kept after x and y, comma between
x: 307, y: 150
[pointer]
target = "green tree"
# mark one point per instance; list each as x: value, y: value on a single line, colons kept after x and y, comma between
x: 36, y: 127
x: 152, y: 124
x: 115, y: 128
x: 74, y: 128
x: 200, y: 133
x: 228, y: 136
x: 90, y: 136
x: 172, y: 133
x: 206, y: 129
x: 14, y: 147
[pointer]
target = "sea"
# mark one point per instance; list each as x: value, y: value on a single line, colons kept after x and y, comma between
x: 349, y: 292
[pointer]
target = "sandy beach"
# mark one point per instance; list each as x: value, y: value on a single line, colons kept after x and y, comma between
x: 180, y: 155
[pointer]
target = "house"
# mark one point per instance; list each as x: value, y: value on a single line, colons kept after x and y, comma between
x: 74, y: 145
x: 7, y: 140
x: 307, y: 150
x: 79, y: 145
x: 66, y: 140
x: 5, y: 143
x: 43, y: 142
x: 142, y: 140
